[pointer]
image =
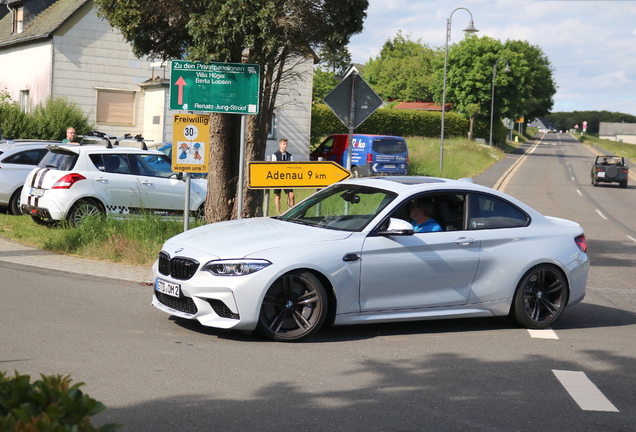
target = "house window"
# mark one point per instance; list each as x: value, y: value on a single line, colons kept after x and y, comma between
x: 272, y: 123
x: 24, y: 101
x: 18, y: 17
x: 115, y: 107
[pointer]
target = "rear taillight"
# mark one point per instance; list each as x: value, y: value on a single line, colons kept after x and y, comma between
x: 369, y: 158
x: 67, y: 181
x: 581, y: 243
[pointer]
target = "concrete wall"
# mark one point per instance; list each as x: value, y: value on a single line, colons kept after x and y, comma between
x: 293, y: 112
x: 88, y: 54
x: 27, y: 67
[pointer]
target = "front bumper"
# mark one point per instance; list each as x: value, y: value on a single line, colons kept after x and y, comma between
x: 226, y: 302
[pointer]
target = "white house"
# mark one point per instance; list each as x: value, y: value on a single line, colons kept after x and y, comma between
x: 622, y: 132
x: 51, y: 48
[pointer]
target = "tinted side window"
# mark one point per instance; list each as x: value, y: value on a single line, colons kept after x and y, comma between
x: 489, y: 212
x: 448, y: 210
x: 389, y: 146
x: 154, y: 165
x: 27, y: 157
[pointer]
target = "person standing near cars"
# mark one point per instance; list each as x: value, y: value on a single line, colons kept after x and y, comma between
x: 282, y: 155
x: 70, y: 136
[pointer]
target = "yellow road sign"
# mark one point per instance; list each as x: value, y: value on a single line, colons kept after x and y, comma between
x: 190, y: 143
x: 295, y: 175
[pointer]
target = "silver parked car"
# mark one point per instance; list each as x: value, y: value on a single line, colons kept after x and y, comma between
x: 17, y: 159
x: 349, y: 255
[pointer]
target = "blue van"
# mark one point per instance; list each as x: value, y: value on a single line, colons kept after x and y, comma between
x: 371, y: 155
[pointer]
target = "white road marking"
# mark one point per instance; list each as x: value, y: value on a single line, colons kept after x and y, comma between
x: 543, y: 333
x: 600, y: 214
x: 579, y: 192
x: 631, y: 238
x: 583, y: 391
x: 572, y: 178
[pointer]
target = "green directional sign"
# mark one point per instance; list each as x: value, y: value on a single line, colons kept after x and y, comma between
x: 231, y: 88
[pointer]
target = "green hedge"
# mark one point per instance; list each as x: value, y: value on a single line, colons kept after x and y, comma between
x: 50, y: 404
x: 47, y: 121
x: 403, y: 123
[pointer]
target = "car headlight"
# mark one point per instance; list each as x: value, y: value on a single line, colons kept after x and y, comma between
x: 235, y: 267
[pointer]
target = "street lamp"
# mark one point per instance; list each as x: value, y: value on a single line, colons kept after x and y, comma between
x: 492, y: 100
x: 470, y: 29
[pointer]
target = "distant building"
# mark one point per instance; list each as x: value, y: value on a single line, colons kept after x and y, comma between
x: 622, y: 132
x: 543, y: 125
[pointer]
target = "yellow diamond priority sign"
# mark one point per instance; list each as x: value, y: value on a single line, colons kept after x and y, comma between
x: 295, y: 175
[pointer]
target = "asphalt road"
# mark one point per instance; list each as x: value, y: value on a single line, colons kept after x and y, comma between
x: 155, y: 373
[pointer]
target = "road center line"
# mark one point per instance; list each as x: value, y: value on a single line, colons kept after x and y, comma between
x: 631, y: 238
x: 573, y: 179
x: 543, y: 333
x: 583, y: 391
x: 579, y: 192
x: 600, y: 214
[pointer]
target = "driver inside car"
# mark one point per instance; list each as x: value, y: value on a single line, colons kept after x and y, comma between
x: 421, y: 212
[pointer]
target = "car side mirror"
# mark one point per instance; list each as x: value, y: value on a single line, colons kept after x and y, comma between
x: 397, y: 227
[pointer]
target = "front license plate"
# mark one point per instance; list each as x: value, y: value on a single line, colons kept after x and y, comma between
x: 37, y: 192
x: 168, y: 288
x: 600, y: 174
x: 389, y: 166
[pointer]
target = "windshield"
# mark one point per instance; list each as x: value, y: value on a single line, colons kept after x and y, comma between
x: 343, y: 207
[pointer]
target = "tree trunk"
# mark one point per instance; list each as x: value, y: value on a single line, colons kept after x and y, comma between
x: 223, y: 167
x: 471, y: 129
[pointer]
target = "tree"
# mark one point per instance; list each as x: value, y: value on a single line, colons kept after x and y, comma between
x: 402, y: 70
x: 526, y: 89
x: 324, y: 82
x: 277, y: 34
x: 335, y: 59
x: 538, y: 87
x: 567, y: 120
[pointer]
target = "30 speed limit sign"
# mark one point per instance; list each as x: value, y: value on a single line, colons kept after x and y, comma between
x: 190, y: 143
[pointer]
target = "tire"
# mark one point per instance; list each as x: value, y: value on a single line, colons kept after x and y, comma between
x: 611, y: 172
x: 14, y: 203
x: 82, y: 210
x: 624, y: 184
x: 199, y: 214
x: 595, y: 182
x: 540, y: 298
x: 294, y: 308
x: 354, y: 172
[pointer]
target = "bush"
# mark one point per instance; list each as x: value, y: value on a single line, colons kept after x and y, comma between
x: 403, y: 123
x: 50, y: 404
x: 46, y: 121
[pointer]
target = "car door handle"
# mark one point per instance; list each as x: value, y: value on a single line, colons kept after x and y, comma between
x: 101, y: 180
x: 146, y: 182
x: 465, y: 240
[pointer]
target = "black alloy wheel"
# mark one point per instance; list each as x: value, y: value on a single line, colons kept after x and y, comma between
x: 540, y: 298
x: 294, y: 308
x: 14, y: 202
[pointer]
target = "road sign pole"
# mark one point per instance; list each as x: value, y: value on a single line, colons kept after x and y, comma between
x: 186, y: 207
x: 352, y: 119
x: 241, y: 170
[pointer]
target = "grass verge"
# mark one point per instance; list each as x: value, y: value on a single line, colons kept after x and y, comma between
x: 626, y: 150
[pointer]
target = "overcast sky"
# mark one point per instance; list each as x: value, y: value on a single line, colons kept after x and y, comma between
x: 590, y: 44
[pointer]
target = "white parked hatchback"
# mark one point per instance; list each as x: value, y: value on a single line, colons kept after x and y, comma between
x: 75, y: 181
